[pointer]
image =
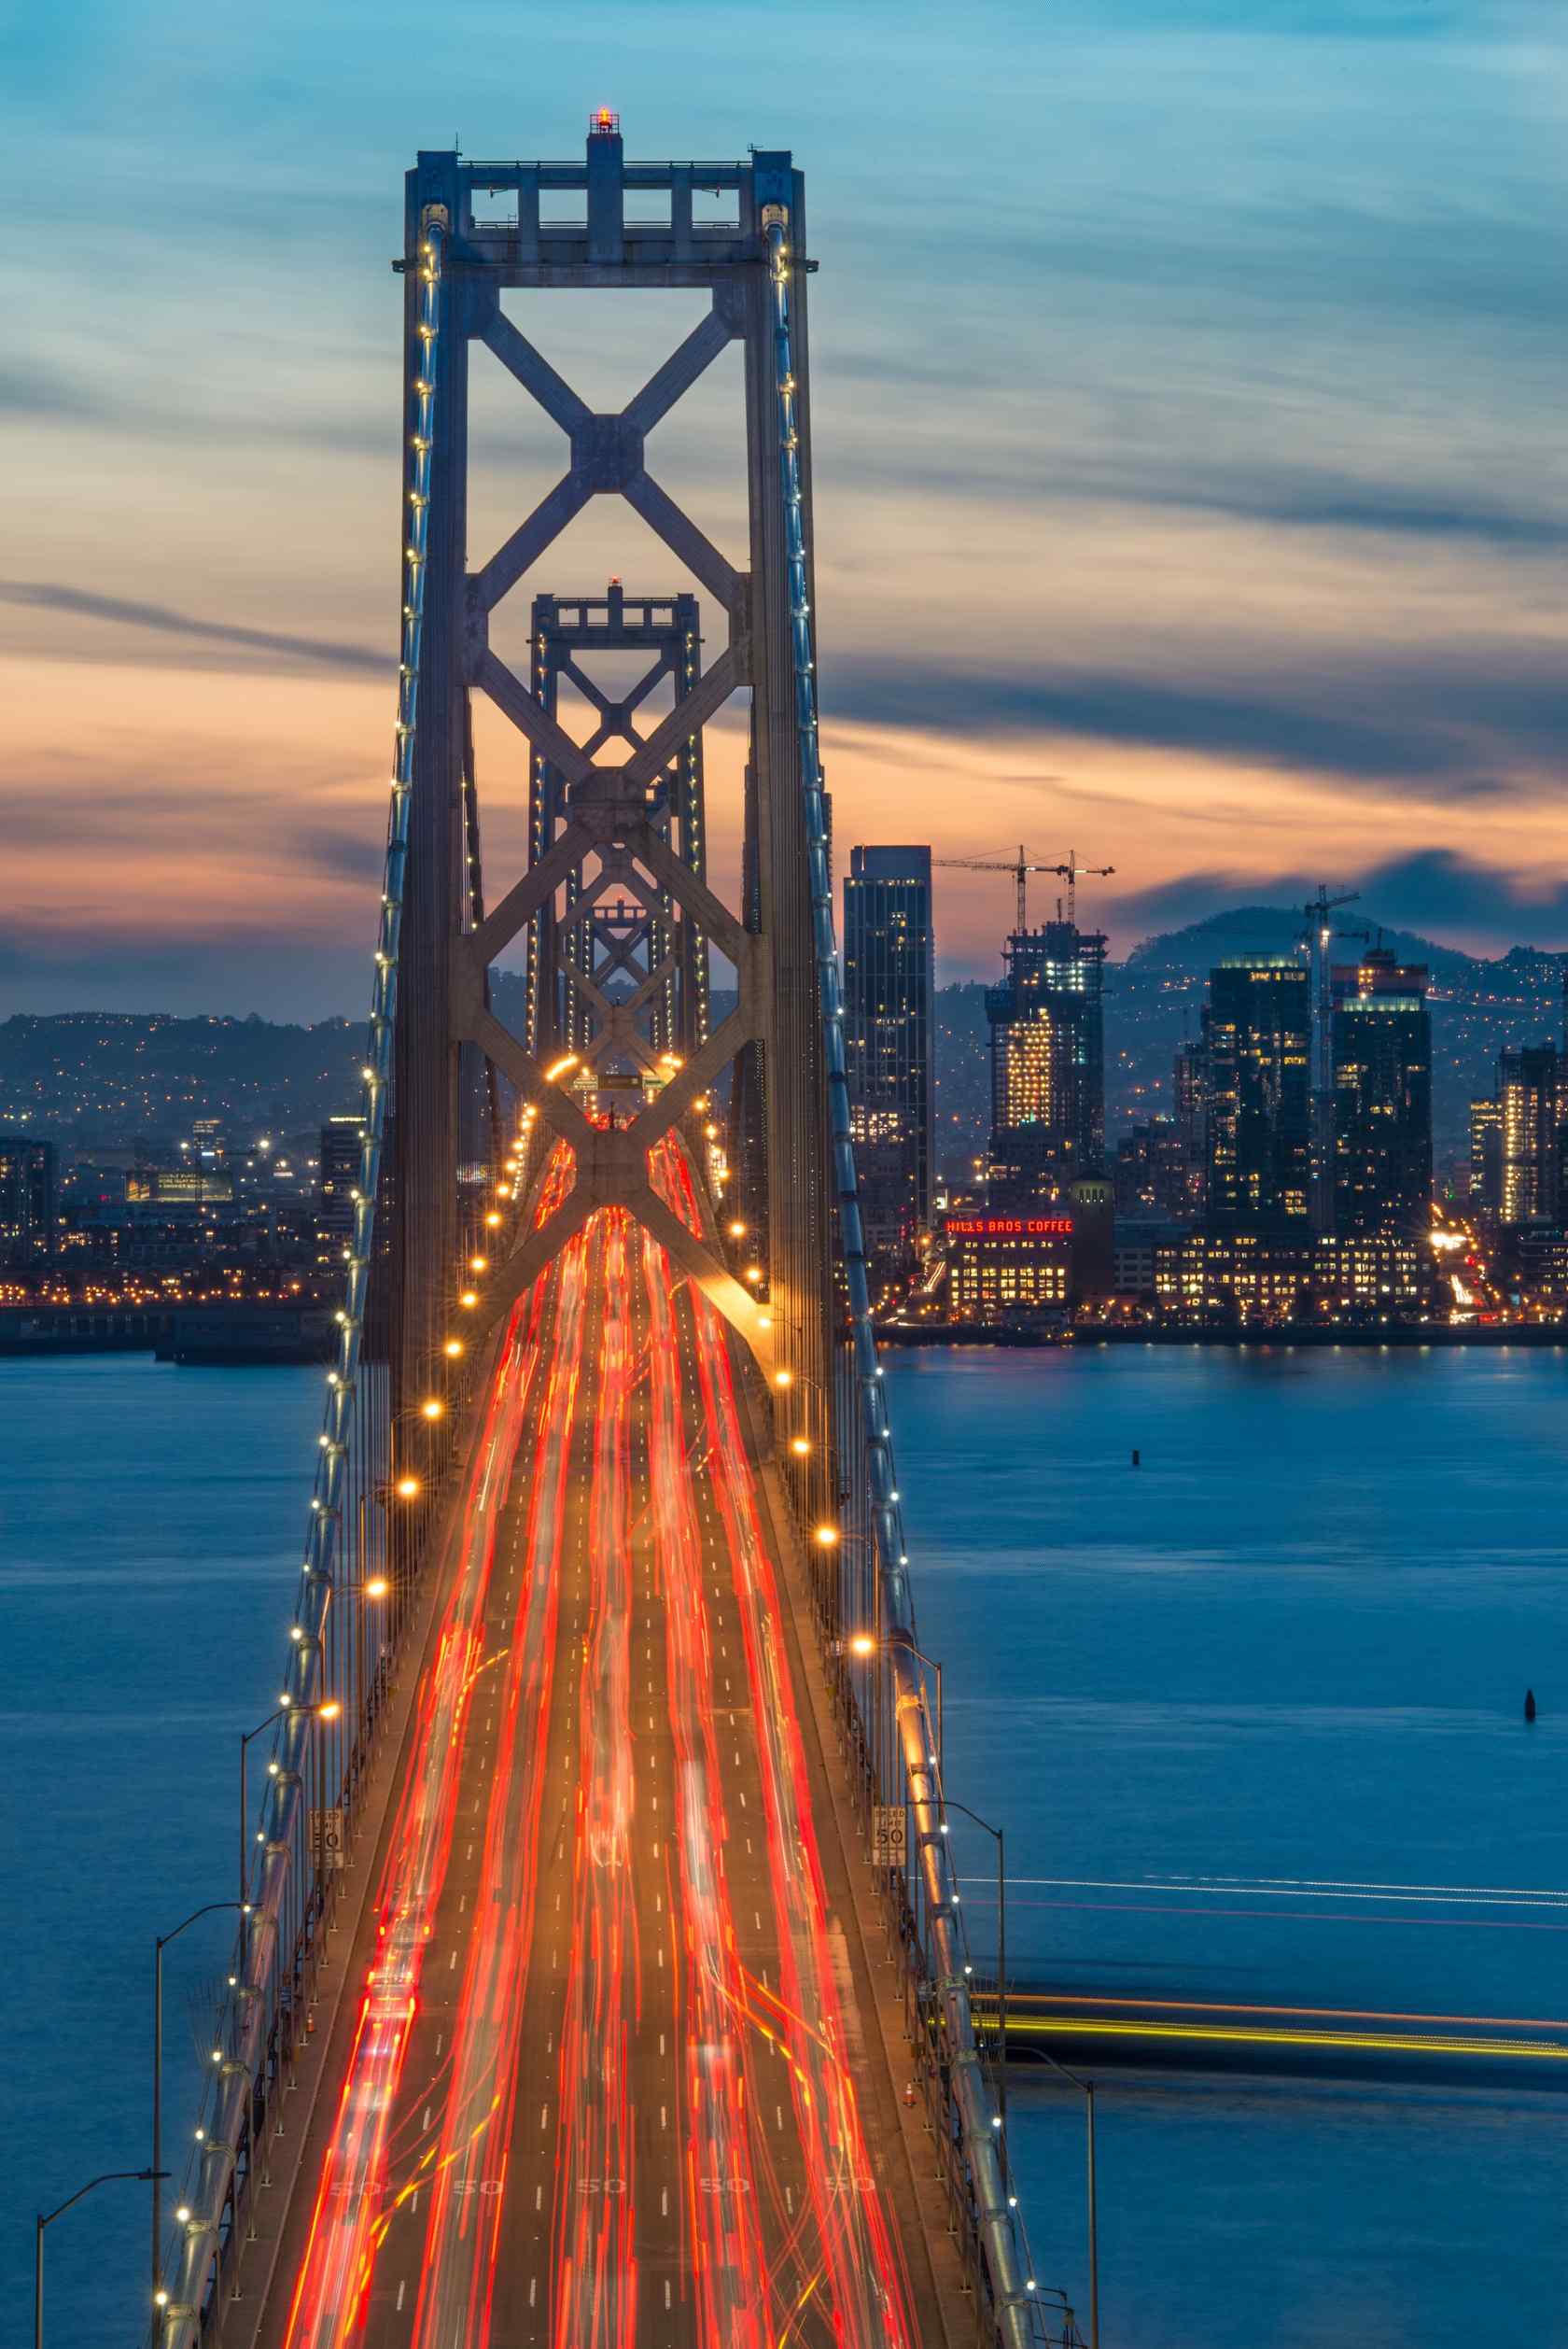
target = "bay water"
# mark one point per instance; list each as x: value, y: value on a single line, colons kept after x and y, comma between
x: 1250, y: 1713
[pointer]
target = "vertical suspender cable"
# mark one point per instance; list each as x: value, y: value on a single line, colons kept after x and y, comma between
x: 177, y: 2324
x: 1019, y: 2312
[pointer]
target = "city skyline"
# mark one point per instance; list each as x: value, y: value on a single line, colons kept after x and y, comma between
x: 1305, y: 582
x: 518, y: 1421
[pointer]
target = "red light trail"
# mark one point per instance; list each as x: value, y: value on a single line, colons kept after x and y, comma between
x: 601, y: 2085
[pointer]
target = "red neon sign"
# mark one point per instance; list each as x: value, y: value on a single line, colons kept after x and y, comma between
x: 1008, y: 1226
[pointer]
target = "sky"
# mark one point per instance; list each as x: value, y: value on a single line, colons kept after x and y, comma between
x: 1187, y: 398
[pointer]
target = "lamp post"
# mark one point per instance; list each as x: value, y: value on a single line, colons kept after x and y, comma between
x: 329, y: 1710
x: 1085, y: 2088
x: 245, y: 1735
x: 47, y: 2218
x: 326, y: 1710
x: 864, y: 1643
x: 999, y: 1838
x: 158, y: 2172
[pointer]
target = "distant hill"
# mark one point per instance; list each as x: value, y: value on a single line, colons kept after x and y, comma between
x: 1478, y: 1006
x: 1277, y: 929
x: 110, y: 1077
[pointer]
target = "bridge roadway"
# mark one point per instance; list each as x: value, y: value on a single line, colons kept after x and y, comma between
x: 606, y: 2085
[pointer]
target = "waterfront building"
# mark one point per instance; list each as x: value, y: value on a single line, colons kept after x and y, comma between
x: 1048, y: 1026
x: 29, y: 1196
x: 1219, y: 1278
x: 888, y: 1031
x: 1135, y: 1254
x: 1539, y: 1264
x: 1381, y: 1044
x: 1258, y: 1119
x: 1357, y: 1278
x: 1529, y: 1094
x: 1008, y: 1269
x: 1367, y: 1276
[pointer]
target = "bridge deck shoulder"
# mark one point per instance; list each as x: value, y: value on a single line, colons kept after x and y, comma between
x: 898, y: 2134
x: 247, y: 2313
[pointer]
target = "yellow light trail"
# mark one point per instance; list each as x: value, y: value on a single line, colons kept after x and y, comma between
x: 986, y: 2000
x: 1219, y: 2034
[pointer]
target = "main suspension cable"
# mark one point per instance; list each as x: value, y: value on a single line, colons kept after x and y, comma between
x: 177, y: 2319
x: 1019, y: 2311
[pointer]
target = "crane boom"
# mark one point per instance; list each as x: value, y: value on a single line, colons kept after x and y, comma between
x: 1021, y: 868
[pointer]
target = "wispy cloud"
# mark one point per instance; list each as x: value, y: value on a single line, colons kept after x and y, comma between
x: 1388, y: 719
x: 81, y: 604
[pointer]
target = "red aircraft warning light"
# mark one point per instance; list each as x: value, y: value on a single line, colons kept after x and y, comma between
x: 603, y: 124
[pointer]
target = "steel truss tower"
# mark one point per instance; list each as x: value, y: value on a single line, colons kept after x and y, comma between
x: 603, y: 824
x: 657, y: 953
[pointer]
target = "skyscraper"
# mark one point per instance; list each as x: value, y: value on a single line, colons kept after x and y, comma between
x: 337, y: 1177
x: 1382, y: 1096
x: 1047, y: 1063
x: 889, y: 1027
x: 1486, y: 1154
x: 1190, y: 1088
x: 1529, y: 1095
x: 1259, y: 1110
x: 29, y: 1188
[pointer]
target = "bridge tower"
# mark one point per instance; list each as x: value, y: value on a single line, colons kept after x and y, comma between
x: 661, y: 958
x: 617, y: 821
x: 618, y: 924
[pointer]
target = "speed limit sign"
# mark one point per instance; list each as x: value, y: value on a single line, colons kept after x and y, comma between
x: 889, y: 1835
x: 327, y: 1837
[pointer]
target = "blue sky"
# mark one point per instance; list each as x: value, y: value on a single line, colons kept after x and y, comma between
x: 1187, y: 395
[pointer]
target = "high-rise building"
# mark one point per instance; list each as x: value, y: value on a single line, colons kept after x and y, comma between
x: 1382, y: 1096
x: 1259, y: 1120
x: 1190, y: 1093
x: 1486, y: 1155
x: 1150, y: 1171
x: 1047, y: 1025
x: 888, y: 1030
x: 337, y: 1177
x: 28, y: 1193
x: 1529, y: 1094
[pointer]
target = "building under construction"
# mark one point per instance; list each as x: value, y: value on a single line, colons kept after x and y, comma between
x: 1047, y: 1025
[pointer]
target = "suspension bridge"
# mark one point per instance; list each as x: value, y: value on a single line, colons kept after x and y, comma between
x: 599, y: 1974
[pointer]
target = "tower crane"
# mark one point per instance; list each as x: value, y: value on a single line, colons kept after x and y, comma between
x: 1021, y: 868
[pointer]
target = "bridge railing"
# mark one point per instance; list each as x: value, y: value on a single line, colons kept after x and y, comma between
x: 366, y: 1534
x: 879, y: 1782
x: 964, y: 2103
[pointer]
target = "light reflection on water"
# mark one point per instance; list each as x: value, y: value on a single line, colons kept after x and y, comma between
x: 1293, y: 1645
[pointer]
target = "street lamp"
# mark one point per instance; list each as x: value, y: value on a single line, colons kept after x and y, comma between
x: 328, y: 1710
x: 245, y: 1735
x: 999, y: 1838
x: 157, y: 2173
x: 866, y: 1643
x: 47, y: 2218
x: 1085, y: 2088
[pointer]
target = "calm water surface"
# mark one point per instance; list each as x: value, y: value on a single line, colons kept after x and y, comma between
x: 1291, y: 1646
